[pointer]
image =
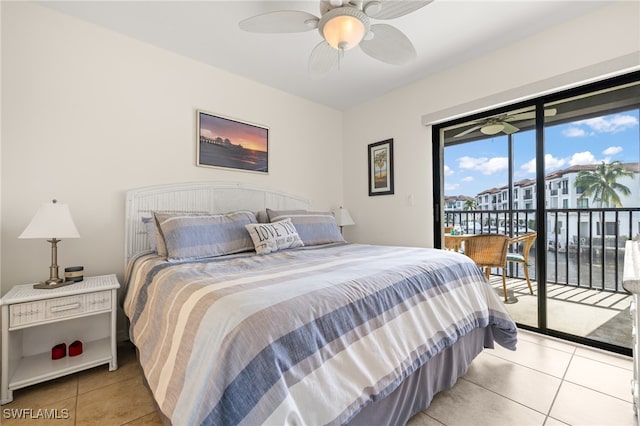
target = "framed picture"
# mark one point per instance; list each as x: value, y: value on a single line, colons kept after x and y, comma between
x: 381, y: 168
x: 232, y: 144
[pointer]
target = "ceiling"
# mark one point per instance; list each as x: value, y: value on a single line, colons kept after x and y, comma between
x: 445, y: 33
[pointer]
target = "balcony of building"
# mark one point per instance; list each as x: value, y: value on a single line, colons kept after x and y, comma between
x: 584, y: 251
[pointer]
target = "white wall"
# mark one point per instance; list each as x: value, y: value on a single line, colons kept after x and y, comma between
x: 607, y: 40
x: 88, y: 114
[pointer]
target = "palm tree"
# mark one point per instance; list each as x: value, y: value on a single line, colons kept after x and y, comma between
x: 470, y: 204
x: 602, y: 185
x: 380, y: 159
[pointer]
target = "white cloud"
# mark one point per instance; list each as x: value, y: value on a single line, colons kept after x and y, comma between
x: 471, y: 163
x: 550, y: 162
x: 612, y: 150
x: 447, y: 170
x: 585, y: 157
x: 614, y: 124
x: 451, y: 186
x: 529, y: 166
x: 574, y: 132
x: 484, y: 165
x: 467, y: 179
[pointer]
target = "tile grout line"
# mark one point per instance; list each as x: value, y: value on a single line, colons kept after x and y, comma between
x: 503, y: 396
x: 562, y: 380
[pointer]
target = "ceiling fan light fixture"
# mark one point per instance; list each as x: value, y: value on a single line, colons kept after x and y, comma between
x: 492, y: 129
x: 344, y: 27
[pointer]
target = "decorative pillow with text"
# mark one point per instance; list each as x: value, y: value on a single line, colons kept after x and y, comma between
x: 270, y: 237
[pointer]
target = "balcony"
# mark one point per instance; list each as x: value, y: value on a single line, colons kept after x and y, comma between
x: 584, y: 267
x: 594, y: 314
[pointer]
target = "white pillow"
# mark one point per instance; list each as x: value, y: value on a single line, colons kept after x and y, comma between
x: 270, y: 237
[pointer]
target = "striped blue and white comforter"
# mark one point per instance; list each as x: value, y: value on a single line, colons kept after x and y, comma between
x: 303, y: 336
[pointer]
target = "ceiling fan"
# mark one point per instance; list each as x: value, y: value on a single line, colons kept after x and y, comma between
x: 345, y: 24
x: 502, y: 123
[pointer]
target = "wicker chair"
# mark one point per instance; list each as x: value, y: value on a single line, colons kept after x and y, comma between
x: 527, y: 241
x: 489, y: 251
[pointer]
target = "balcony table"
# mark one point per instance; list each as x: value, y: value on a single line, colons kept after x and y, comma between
x: 454, y: 242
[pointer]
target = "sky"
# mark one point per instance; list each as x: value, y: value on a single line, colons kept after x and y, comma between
x: 248, y: 135
x: 474, y: 167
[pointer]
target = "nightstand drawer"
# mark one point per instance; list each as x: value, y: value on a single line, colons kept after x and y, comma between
x: 23, y: 314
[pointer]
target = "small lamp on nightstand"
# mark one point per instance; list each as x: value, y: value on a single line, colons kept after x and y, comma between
x: 343, y: 218
x: 52, y: 221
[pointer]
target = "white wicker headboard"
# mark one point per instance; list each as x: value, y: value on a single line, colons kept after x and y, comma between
x: 203, y: 197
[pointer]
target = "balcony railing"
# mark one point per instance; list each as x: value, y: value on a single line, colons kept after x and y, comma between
x: 585, y: 247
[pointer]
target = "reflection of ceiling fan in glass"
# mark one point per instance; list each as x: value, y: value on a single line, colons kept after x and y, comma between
x: 503, y: 123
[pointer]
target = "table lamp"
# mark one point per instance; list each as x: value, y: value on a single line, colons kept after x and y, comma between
x: 343, y: 218
x: 52, y: 221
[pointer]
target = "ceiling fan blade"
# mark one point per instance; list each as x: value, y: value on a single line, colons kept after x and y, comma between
x: 466, y: 132
x: 509, y: 128
x: 389, y: 45
x: 323, y: 60
x: 380, y: 9
x: 530, y: 115
x: 283, y: 21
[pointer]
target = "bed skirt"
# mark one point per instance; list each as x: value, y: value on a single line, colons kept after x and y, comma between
x: 416, y: 392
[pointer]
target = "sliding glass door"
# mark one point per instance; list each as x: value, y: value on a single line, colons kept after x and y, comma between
x: 592, y: 193
x: 565, y: 170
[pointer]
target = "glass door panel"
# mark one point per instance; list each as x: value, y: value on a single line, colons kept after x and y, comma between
x: 592, y: 197
x: 489, y: 182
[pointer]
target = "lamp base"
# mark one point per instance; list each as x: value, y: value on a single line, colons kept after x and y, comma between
x: 49, y: 284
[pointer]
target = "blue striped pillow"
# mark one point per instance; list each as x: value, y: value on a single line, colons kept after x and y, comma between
x: 314, y: 228
x: 190, y: 237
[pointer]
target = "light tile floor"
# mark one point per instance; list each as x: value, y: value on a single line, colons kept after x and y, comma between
x: 544, y: 382
x: 93, y: 397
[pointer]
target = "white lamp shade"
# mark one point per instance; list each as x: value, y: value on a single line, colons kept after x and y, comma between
x: 343, y: 218
x: 52, y: 220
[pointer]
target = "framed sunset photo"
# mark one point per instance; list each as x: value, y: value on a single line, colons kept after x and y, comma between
x: 225, y: 142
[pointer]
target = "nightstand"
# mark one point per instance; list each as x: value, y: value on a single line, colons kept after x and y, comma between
x: 33, y: 321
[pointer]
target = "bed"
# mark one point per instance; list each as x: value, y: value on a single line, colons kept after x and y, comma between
x: 311, y: 331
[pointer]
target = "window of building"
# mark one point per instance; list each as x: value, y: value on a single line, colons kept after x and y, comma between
x: 582, y: 203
